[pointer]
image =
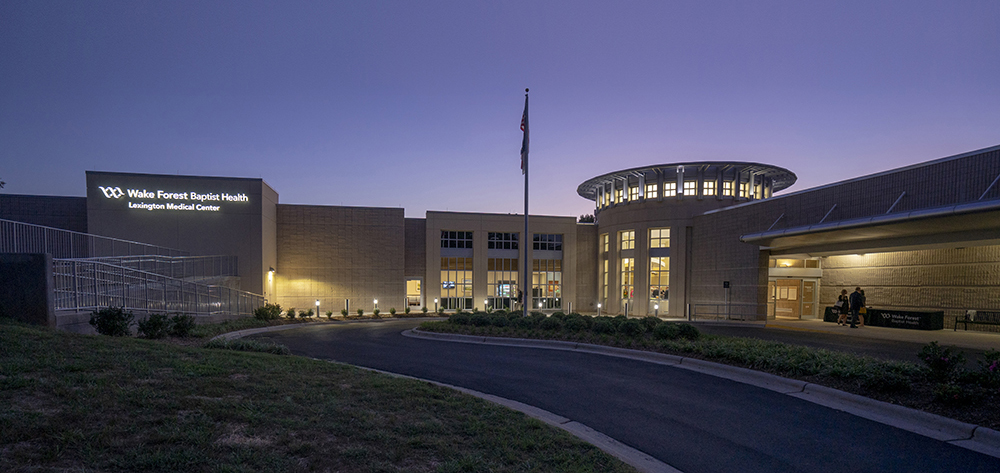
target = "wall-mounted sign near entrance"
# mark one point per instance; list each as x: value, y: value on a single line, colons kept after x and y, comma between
x: 142, y: 199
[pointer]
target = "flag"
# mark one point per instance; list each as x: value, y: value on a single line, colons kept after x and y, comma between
x: 524, y: 141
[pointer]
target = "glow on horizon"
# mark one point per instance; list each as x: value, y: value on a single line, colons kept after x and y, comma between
x: 417, y: 104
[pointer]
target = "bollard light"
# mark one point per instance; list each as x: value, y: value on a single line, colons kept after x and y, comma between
x: 598, y: 309
x: 656, y: 310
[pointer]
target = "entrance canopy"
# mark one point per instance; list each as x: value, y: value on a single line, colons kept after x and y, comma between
x: 969, y: 224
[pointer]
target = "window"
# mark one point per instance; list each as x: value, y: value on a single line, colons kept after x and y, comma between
x: 708, y: 188
x: 659, y: 283
x: 727, y: 188
x: 659, y: 238
x: 453, y: 239
x: 633, y: 193
x: 618, y: 195
x: 604, y: 281
x: 546, y: 284
x: 743, y: 189
x: 626, y: 240
x: 690, y: 187
x: 627, y: 280
x: 604, y: 243
x: 501, y: 281
x: 548, y: 242
x: 456, y: 283
x: 501, y: 241
x: 756, y: 192
x: 669, y: 189
x: 651, y: 191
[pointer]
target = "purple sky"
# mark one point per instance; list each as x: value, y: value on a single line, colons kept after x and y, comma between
x: 417, y: 104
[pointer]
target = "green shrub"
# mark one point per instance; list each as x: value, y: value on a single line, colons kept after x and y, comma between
x: 604, y: 326
x: 480, y: 320
x: 343, y: 312
x: 667, y: 331
x: 392, y: 311
x: 954, y: 394
x: 575, y: 324
x: 688, y: 331
x: 631, y: 328
x: 154, y: 326
x: 550, y: 323
x: 361, y: 312
x: 650, y: 322
x: 181, y: 325
x: 440, y: 311
x: 460, y: 318
x: 267, y: 312
x: 526, y: 323
x: 242, y: 344
x: 113, y: 321
x: 559, y: 315
x: 375, y: 313
x: 424, y: 310
x: 291, y: 313
x: 944, y: 363
x: 499, y: 320
x: 618, y: 320
x: 329, y: 314
x: 989, y: 369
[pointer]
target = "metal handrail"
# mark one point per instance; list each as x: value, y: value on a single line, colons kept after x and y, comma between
x: 21, y: 237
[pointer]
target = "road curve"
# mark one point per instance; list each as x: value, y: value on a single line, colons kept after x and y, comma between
x: 691, y: 421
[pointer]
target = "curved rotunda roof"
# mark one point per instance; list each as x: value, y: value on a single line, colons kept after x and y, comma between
x: 781, y: 178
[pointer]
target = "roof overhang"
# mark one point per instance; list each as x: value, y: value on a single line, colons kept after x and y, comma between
x: 969, y: 224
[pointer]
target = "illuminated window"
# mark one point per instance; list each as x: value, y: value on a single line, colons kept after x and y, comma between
x: 604, y: 280
x: 619, y: 195
x: 626, y: 240
x: 604, y: 243
x: 456, y: 283
x: 743, y: 189
x: 659, y: 238
x: 650, y: 191
x: 756, y: 191
x: 501, y: 241
x: 633, y: 193
x: 452, y: 239
x: 727, y: 188
x: 690, y: 187
x: 627, y: 279
x: 669, y: 189
x: 708, y: 188
x: 548, y: 242
x: 546, y: 284
x: 501, y: 282
x: 659, y: 283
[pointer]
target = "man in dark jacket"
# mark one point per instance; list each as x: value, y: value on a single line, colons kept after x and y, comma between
x: 857, y: 302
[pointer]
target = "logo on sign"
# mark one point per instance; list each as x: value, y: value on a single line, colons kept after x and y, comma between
x: 112, y: 192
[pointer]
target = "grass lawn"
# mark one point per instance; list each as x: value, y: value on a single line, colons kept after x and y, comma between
x: 92, y: 403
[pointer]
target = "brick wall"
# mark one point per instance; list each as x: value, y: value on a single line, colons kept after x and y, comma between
x: 334, y: 253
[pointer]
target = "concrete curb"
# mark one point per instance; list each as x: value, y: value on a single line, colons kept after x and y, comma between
x: 319, y: 323
x: 637, y: 459
x: 968, y: 436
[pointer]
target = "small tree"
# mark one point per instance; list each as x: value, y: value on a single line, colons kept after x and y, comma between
x: 361, y: 312
x: 343, y: 312
x: 375, y: 314
x: 407, y: 310
x: 329, y: 314
x: 392, y: 311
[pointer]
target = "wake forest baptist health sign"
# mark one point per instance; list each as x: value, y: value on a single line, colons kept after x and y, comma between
x: 161, y: 200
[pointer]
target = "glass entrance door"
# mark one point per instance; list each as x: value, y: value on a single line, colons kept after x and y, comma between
x: 414, y: 295
x: 787, y: 301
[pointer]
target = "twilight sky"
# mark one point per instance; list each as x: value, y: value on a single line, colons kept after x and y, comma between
x: 417, y: 104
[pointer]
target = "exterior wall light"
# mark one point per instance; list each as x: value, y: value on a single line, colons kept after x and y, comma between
x: 598, y: 309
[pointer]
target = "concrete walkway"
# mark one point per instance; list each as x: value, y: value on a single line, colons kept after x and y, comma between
x: 948, y: 337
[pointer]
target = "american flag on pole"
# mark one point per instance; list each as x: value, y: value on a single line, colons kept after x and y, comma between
x: 524, y: 141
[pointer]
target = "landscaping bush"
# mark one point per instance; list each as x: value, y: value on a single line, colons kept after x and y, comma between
x: 618, y: 320
x: 154, y: 326
x: 650, y: 322
x: 392, y: 311
x: 181, y: 325
x: 559, y: 315
x: 375, y: 313
x: 424, y: 310
x: 361, y: 312
x: 407, y: 310
x: 989, y: 369
x: 631, y: 328
x: 112, y: 321
x: 688, y: 331
x: 550, y: 323
x: 480, y: 320
x: 575, y: 323
x: 267, y: 312
x: 440, y: 311
x: 525, y: 323
x: 329, y: 314
x: 460, y: 318
x: 241, y: 344
x: 944, y: 363
x: 291, y: 313
x: 343, y: 312
x: 666, y: 331
x: 604, y: 326
x: 499, y: 320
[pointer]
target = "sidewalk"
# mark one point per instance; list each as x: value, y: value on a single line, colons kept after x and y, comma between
x: 947, y: 337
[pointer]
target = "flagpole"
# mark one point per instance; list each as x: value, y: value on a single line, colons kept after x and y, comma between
x: 526, y: 291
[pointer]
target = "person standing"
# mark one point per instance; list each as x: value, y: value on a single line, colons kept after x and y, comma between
x: 857, y: 303
x: 843, y: 305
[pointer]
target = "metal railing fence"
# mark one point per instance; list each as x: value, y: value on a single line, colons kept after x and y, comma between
x: 20, y: 237
x: 177, y: 267
x: 745, y: 312
x: 88, y: 285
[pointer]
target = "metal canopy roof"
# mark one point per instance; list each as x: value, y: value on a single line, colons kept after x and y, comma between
x: 969, y: 224
x: 781, y: 178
